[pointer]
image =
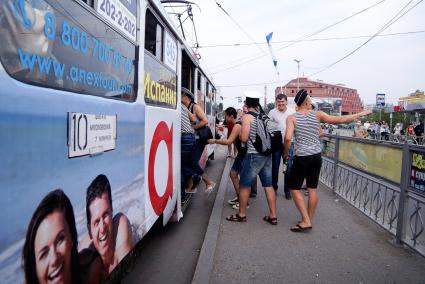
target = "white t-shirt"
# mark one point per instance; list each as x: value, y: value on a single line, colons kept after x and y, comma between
x: 280, y: 117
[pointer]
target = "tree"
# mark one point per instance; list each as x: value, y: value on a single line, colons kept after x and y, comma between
x: 270, y: 106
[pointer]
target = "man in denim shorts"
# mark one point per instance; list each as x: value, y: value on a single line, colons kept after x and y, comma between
x: 254, y: 164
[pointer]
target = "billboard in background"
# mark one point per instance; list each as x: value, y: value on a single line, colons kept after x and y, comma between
x: 380, y: 100
x: 417, y: 172
x: 382, y: 161
x: 330, y: 105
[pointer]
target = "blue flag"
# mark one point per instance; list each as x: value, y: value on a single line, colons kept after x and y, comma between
x: 269, y: 38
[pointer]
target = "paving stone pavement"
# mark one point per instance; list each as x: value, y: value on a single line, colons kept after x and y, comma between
x: 344, y: 246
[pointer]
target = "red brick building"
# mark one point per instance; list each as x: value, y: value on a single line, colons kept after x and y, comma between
x: 351, y: 102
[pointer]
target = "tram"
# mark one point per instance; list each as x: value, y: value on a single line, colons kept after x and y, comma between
x: 89, y: 99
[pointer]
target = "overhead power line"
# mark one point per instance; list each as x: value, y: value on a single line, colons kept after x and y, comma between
x: 240, y: 27
x: 393, y: 20
x: 299, y: 39
x: 247, y: 85
x: 313, y: 39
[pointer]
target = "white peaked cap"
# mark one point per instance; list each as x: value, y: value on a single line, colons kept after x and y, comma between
x: 253, y: 94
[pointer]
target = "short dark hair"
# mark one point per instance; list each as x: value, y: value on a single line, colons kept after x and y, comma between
x: 281, y: 96
x: 95, y: 190
x: 54, y: 200
x: 300, y: 97
x: 231, y: 111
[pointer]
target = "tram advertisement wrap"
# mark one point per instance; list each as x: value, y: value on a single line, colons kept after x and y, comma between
x: 377, y: 160
x: 67, y: 218
x: 57, y: 45
x: 417, y: 172
x: 159, y: 87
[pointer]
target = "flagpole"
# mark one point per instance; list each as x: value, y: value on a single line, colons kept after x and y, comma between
x: 269, y: 38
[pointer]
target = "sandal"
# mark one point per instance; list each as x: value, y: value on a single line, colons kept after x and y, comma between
x: 210, y: 188
x: 236, y: 218
x: 191, y: 191
x: 270, y: 220
x: 298, y: 228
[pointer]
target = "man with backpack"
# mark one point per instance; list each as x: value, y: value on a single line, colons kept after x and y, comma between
x: 258, y: 161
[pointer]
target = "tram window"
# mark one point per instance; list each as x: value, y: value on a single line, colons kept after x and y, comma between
x: 187, y: 71
x: 87, y: 57
x: 208, y: 106
x: 89, y: 2
x: 199, y: 81
x: 153, y: 35
x: 207, y: 90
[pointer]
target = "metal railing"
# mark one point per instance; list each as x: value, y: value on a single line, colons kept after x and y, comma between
x: 395, y: 202
x: 396, y: 138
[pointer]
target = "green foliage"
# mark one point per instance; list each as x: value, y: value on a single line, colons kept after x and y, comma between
x: 270, y: 106
x: 402, y: 117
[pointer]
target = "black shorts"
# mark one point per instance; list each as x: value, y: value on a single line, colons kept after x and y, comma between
x: 305, y: 167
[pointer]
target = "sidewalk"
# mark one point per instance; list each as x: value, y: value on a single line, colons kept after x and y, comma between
x: 344, y: 246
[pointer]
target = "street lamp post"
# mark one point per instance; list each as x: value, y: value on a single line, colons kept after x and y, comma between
x: 298, y: 77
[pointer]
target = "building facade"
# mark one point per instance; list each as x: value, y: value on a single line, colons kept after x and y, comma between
x: 351, y: 102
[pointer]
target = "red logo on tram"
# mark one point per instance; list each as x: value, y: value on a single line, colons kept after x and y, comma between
x: 162, y: 133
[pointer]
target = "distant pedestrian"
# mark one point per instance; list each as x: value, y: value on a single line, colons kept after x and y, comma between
x: 410, y: 130
x: 397, y: 129
x: 419, y: 131
x: 303, y: 126
x: 359, y: 130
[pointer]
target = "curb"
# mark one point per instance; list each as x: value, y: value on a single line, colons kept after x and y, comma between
x: 205, y: 263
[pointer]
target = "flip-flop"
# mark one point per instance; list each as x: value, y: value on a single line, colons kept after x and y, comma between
x: 298, y: 228
x: 236, y: 218
x: 188, y: 191
x: 272, y: 221
x: 210, y: 188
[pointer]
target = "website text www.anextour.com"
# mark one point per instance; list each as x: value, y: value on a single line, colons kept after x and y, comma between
x: 61, y: 71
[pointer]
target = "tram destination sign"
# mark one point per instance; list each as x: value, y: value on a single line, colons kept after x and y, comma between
x: 91, y: 134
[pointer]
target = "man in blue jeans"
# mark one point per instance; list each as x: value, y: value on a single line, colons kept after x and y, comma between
x: 254, y: 164
x: 187, y: 144
x: 279, y: 115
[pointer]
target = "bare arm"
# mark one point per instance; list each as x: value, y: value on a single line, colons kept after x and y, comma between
x: 290, y: 127
x: 192, y: 117
x: 233, y: 135
x: 321, y: 133
x: 200, y: 114
x: 246, y: 125
x: 324, y: 117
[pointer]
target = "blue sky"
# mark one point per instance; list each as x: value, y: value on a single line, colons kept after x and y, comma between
x: 388, y: 64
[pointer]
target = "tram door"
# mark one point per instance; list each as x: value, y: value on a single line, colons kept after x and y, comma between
x: 162, y: 132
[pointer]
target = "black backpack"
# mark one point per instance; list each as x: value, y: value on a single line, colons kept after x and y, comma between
x: 267, y: 137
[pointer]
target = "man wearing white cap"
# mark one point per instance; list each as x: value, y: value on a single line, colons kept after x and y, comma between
x: 254, y: 164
